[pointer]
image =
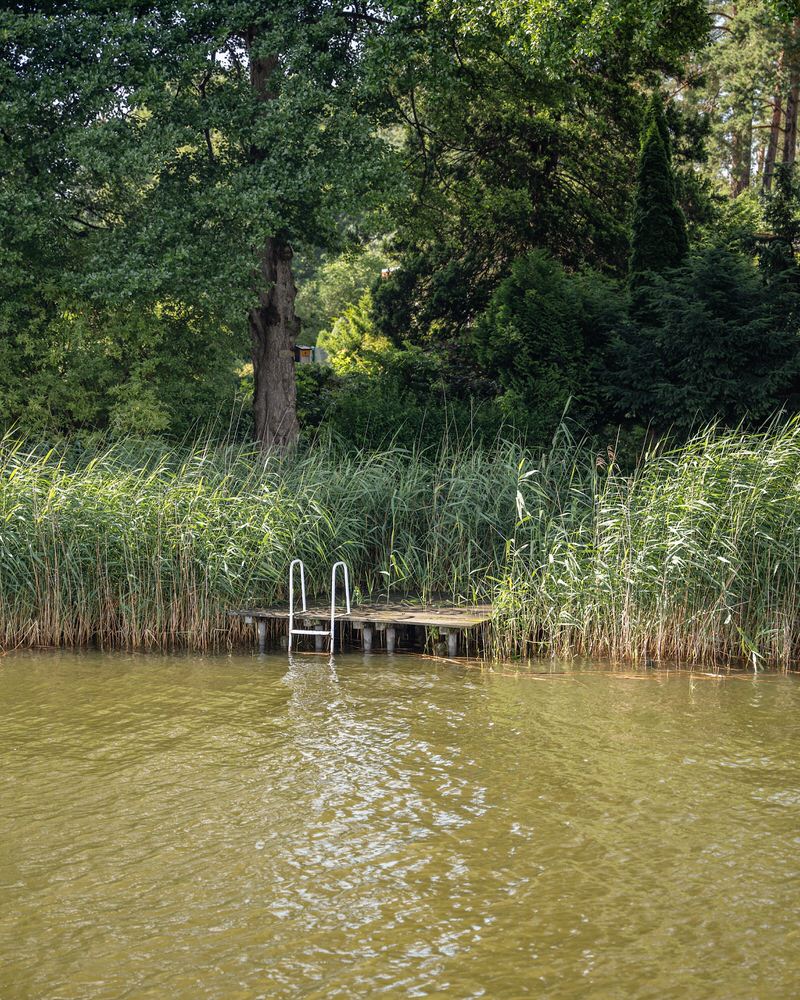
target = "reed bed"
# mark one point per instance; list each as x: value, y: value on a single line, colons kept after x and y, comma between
x: 135, y: 547
x: 693, y: 556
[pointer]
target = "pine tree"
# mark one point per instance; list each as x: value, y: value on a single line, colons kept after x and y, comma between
x: 710, y: 348
x: 740, y: 86
x: 658, y: 239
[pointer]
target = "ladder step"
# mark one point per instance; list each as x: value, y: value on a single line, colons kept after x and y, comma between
x: 310, y: 631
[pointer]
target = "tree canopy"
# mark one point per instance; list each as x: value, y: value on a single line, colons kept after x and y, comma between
x: 152, y: 151
x: 494, y: 214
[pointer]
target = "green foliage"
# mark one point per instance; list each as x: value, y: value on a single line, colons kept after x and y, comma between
x: 544, y: 336
x: 352, y: 343
x: 400, y: 396
x: 314, y: 387
x: 738, y: 81
x: 155, y: 371
x: 735, y: 224
x: 139, y: 166
x: 786, y: 9
x: 710, y: 347
x: 777, y: 257
x: 692, y: 557
x: 140, y: 173
x: 558, y: 36
x: 658, y: 236
x: 512, y: 153
x: 376, y: 411
x: 337, y: 283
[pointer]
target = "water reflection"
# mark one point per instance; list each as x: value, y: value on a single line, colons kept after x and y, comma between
x: 351, y: 827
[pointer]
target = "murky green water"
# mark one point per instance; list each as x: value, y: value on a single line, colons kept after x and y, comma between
x: 191, y: 828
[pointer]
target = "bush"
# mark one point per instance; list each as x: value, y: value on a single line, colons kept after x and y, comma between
x: 352, y: 343
x: 709, y: 350
x: 544, y: 338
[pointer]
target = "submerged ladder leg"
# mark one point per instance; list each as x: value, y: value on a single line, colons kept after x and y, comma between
x: 346, y: 574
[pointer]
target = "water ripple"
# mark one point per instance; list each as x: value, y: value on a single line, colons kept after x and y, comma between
x: 237, y: 827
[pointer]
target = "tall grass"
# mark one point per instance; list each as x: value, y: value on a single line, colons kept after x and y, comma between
x: 692, y: 556
x: 133, y: 547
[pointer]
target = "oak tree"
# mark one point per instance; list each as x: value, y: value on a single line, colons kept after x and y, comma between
x: 178, y: 152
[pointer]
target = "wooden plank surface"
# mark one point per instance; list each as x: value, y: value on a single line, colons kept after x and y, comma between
x: 467, y: 616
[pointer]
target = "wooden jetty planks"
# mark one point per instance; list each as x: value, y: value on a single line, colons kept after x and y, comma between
x: 453, y: 620
x: 468, y: 616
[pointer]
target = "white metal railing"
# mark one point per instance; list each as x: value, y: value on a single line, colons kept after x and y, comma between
x: 331, y: 633
x: 292, y: 564
x: 333, y: 595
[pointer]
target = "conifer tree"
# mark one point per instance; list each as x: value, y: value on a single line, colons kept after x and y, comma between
x: 658, y: 239
x: 710, y: 347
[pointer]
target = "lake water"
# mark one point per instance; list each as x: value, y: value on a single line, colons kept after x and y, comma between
x: 184, y: 828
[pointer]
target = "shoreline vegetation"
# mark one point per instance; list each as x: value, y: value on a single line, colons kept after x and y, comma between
x: 691, y: 556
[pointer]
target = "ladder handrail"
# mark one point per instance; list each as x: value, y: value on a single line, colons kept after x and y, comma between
x: 292, y: 630
x: 292, y: 564
x: 333, y: 594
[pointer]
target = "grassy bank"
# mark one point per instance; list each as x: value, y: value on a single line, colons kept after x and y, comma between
x: 694, y: 556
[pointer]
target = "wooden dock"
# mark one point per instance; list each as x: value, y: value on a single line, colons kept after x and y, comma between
x: 451, y: 621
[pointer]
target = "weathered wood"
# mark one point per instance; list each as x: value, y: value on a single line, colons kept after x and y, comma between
x: 450, y: 621
x: 443, y: 617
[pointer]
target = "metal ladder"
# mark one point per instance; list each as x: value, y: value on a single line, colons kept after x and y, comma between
x: 330, y: 632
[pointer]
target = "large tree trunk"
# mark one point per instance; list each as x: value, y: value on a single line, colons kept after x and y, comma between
x: 273, y: 330
x: 792, y: 99
x: 273, y: 323
x: 774, y: 131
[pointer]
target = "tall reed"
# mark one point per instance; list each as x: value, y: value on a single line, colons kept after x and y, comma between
x: 693, y: 556
x: 132, y: 547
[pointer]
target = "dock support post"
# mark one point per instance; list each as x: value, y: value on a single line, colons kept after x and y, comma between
x: 366, y: 633
x: 315, y: 623
x: 391, y: 638
x: 452, y: 642
x: 262, y: 635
